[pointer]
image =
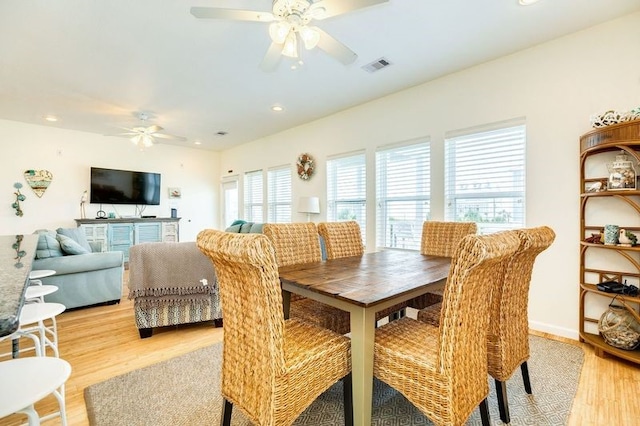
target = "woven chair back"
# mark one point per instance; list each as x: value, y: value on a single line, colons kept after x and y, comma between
x: 294, y: 243
x: 251, y: 298
x: 442, y: 238
x: 341, y: 239
x: 476, y: 266
x: 508, y: 336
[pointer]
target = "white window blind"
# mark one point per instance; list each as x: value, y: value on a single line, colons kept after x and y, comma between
x: 279, y: 194
x: 403, y: 180
x: 346, y: 190
x: 485, y: 178
x: 253, y: 196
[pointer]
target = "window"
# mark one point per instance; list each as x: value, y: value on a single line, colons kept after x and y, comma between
x: 485, y: 178
x: 253, y: 184
x: 279, y: 194
x: 346, y: 190
x: 403, y: 189
x: 230, y: 200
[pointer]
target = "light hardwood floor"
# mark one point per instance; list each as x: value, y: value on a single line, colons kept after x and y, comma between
x: 103, y: 342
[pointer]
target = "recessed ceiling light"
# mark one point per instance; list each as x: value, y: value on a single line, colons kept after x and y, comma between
x: 277, y: 108
x: 51, y: 118
x: 222, y: 133
x: 527, y: 2
x: 197, y: 142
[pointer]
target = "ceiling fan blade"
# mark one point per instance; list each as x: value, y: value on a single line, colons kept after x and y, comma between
x: 338, y: 7
x: 272, y: 57
x: 334, y: 48
x: 153, y: 129
x: 233, y: 14
x: 166, y: 136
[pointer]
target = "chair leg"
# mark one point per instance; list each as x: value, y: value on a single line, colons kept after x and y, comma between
x: 503, y: 403
x: 348, y: 400
x: 484, y: 413
x: 525, y: 377
x: 225, y: 418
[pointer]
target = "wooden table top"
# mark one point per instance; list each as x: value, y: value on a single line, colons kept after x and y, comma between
x: 369, y: 279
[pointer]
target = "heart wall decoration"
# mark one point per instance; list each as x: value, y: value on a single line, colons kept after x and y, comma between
x: 38, y: 180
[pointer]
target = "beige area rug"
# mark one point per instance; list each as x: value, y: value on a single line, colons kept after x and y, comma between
x: 186, y: 391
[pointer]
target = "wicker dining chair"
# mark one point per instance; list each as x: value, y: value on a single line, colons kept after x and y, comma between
x: 508, y: 335
x: 344, y: 239
x: 440, y: 239
x: 297, y: 243
x: 272, y: 368
x: 443, y: 370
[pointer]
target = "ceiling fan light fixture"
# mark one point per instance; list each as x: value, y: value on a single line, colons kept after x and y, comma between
x: 310, y: 37
x: 290, y: 48
x: 278, y: 31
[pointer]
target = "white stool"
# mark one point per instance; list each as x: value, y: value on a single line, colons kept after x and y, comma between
x: 36, y: 293
x: 26, y: 381
x: 41, y: 273
x: 32, y: 317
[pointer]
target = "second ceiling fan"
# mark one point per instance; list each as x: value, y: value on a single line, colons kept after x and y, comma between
x: 290, y: 26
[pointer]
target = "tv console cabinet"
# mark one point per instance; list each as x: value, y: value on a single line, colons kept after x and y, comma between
x: 121, y: 234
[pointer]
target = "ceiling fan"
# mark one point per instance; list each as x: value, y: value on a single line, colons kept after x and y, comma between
x: 290, y: 26
x: 145, y: 136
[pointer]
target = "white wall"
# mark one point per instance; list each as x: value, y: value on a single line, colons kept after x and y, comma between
x: 557, y: 86
x: 68, y: 155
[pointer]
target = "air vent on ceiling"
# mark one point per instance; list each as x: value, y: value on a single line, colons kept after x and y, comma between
x: 376, y: 65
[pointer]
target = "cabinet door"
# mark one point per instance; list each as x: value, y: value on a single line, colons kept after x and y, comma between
x: 170, y: 232
x: 96, y: 234
x: 148, y: 232
x: 121, y: 238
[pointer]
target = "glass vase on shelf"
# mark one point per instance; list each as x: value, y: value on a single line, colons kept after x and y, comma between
x: 622, y: 174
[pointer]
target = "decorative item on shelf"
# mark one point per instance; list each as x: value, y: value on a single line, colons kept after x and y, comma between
x: 595, y: 187
x: 611, y: 233
x: 619, y: 328
x: 627, y: 238
x: 594, y: 238
x: 634, y: 114
x: 306, y: 166
x: 622, y: 175
x: 38, y: 180
x: 83, y: 200
x: 608, y: 118
x: 19, y: 197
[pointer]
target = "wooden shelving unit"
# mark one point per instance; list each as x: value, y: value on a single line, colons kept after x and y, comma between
x: 615, y: 138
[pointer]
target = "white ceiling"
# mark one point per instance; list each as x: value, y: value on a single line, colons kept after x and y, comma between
x: 96, y: 63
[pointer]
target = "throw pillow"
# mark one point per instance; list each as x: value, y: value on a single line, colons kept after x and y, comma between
x: 48, y: 245
x: 233, y: 228
x: 69, y: 246
x: 77, y: 235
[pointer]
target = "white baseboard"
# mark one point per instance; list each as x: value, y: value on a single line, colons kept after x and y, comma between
x: 569, y: 333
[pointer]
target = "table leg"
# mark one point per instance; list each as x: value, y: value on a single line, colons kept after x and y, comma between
x: 362, y: 342
x: 286, y: 303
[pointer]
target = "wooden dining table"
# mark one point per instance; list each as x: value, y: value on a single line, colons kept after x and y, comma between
x: 364, y: 285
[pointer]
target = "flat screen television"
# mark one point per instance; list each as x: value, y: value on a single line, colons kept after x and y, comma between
x: 111, y: 186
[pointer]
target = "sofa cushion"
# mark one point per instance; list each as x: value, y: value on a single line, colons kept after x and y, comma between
x: 246, y: 227
x: 70, y: 246
x: 76, y: 234
x: 256, y: 228
x: 48, y: 245
x: 234, y: 228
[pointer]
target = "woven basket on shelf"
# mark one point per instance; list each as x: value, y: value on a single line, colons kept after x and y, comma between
x: 619, y: 328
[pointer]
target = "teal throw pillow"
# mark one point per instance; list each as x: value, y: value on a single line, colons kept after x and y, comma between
x: 48, y: 245
x: 69, y: 246
x: 77, y: 235
x: 233, y: 228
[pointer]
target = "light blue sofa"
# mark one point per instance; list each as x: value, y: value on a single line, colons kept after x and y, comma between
x: 86, y: 279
